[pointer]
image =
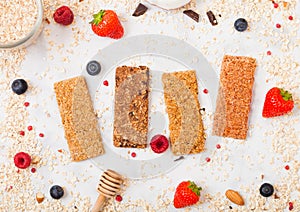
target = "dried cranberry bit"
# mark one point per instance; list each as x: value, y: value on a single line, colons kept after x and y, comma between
x: 41, y: 135
x: 218, y: 146
x: 207, y: 159
x: 26, y: 104
x: 205, y: 91
x: 287, y: 167
x: 29, y: 128
x: 291, y: 18
x: 291, y: 206
x: 119, y: 198
x: 105, y: 82
x: 33, y: 170
x: 133, y: 154
x: 276, y: 5
x: 22, y: 133
x: 8, y: 188
x: 278, y: 26
x: 269, y: 52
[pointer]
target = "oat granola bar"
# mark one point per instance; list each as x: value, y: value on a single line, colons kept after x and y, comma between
x: 234, y: 97
x: 187, y: 134
x: 131, y: 107
x: 78, y: 117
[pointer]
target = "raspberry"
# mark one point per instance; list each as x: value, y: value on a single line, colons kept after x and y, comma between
x: 22, y: 160
x: 159, y: 143
x: 63, y: 15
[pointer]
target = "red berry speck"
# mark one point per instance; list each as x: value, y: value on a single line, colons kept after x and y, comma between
x: 205, y: 91
x: 269, y: 52
x: 276, y: 5
x: 291, y: 18
x: 287, y: 167
x: 41, y: 135
x: 218, y: 146
x: 119, y: 198
x: 22, y: 133
x: 207, y: 159
x: 278, y: 26
x: 29, y: 128
x: 105, y: 82
x: 33, y: 170
x: 26, y: 104
x: 133, y: 154
x: 291, y: 206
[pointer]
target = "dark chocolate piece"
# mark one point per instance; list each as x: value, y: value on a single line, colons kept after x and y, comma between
x: 192, y: 14
x: 140, y: 10
x: 212, y: 18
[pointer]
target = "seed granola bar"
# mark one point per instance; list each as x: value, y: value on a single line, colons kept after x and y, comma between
x: 78, y: 117
x: 187, y: 134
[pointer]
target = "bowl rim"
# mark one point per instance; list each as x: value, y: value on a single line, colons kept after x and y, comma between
x: 35, y: 28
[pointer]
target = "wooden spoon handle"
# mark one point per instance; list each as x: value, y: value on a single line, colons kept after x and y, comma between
x: 99, y: 203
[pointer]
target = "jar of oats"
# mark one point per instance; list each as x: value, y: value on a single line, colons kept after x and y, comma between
x: 21, y: 22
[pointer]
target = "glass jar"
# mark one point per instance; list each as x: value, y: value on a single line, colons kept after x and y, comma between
x: 25, y: 37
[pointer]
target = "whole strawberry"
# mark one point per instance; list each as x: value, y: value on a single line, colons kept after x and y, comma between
x: 107, y: 24
x: 63, y: 15
x: 187, y: 193
x: 278, y: 102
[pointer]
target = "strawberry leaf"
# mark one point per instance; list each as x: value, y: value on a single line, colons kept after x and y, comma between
x: 194, y: 188
x: 285, y: 95
x: 98, y: 17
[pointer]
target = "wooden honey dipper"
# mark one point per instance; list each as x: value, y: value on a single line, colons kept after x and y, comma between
x: 110, y: 183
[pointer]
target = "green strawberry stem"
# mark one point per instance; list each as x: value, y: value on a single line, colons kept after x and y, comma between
x: 285, y: 95
x: 98, y: 17
x: 194, y: 188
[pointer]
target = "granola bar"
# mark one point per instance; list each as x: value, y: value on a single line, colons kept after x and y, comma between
x: 131, y: 107
x: 234, y: 97
x: 78, y: 117
x: 187, y: 134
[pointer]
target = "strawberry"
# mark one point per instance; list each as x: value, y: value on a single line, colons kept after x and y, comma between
x: 278, y: 102
x: 187, y: 193
x: 107, y: 24
x: 63, y: 15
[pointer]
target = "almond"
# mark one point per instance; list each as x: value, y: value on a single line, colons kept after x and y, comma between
x: 234, y: 197
x: 39, y: 197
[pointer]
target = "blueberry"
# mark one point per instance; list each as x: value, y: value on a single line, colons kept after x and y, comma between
x: 240, y: 24
x: 19, y: 86
x: 266, y: 190
x: 93, y: 68
x: 56, y: 192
